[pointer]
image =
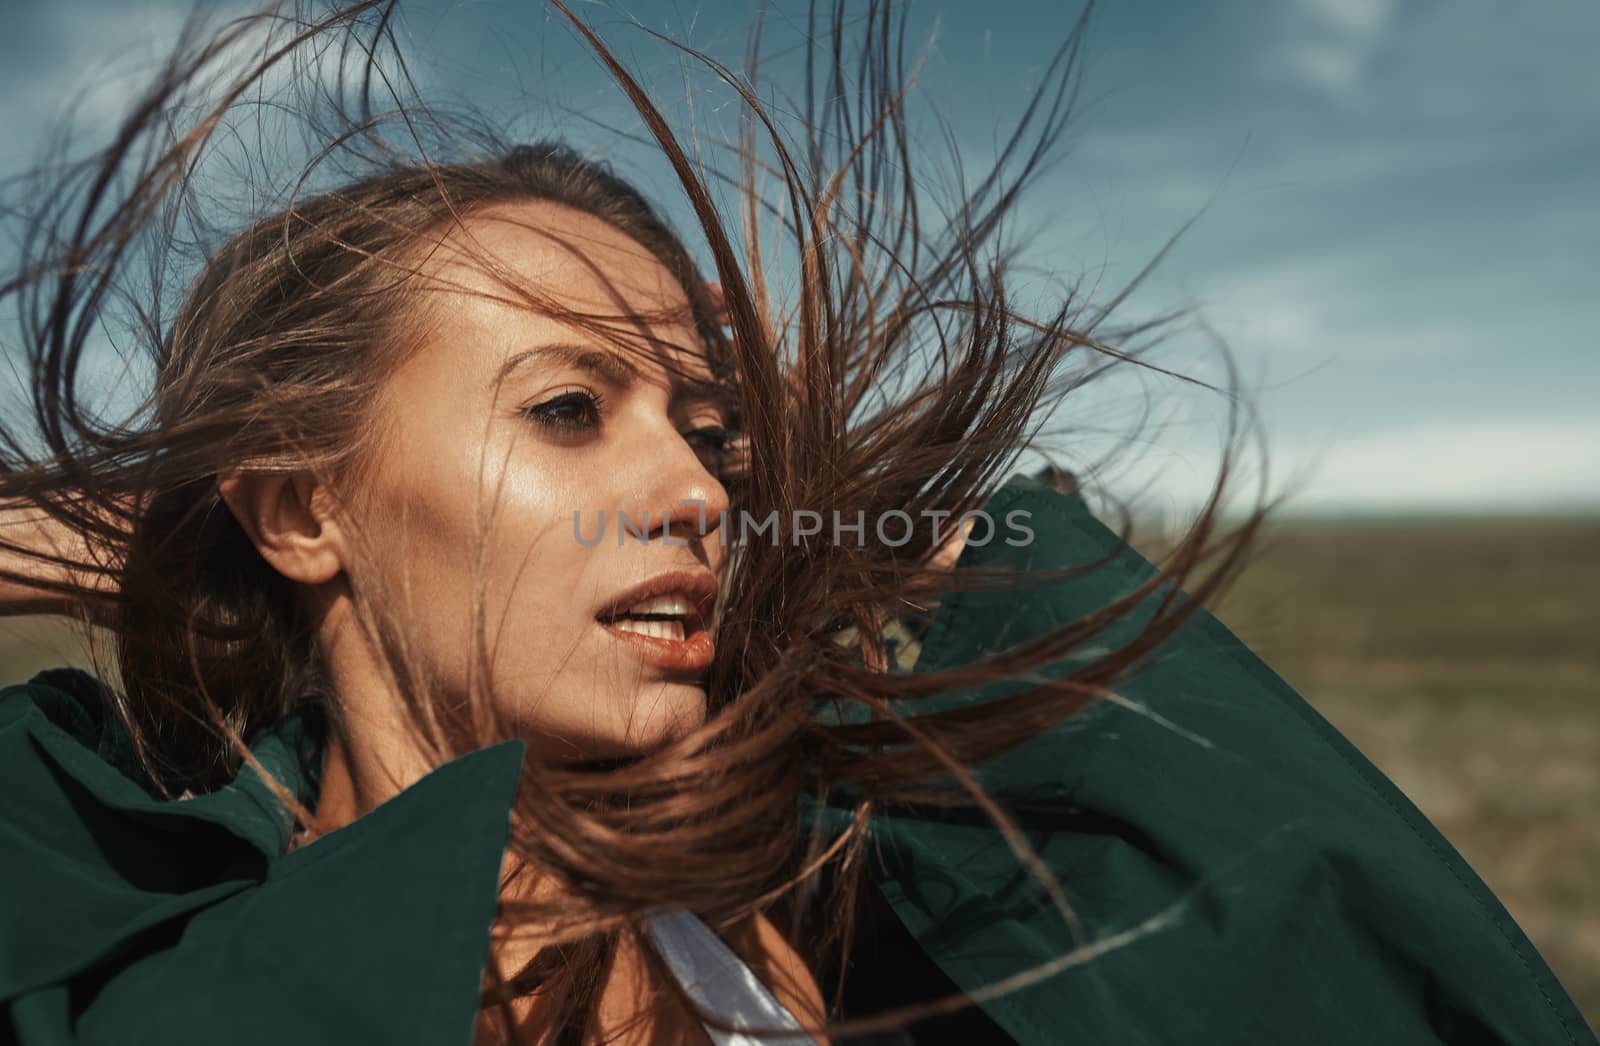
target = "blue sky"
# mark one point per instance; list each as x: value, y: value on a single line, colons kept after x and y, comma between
x: 1399, y: 207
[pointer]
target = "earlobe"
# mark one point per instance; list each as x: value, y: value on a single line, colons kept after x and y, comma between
x: 280, y: 513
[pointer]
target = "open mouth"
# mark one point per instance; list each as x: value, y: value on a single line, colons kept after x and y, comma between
x: 670, y: 617
x: 665, y: 621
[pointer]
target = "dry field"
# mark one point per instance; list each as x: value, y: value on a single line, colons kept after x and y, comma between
x: 1462, y: 657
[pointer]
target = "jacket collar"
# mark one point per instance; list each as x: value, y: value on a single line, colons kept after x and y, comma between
x: 383, y: 924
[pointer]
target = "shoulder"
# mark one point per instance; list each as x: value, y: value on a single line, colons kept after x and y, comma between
x: 89, y: 864
x: 1220, y: 840
x: 130, y: 918
x: 68, y: 704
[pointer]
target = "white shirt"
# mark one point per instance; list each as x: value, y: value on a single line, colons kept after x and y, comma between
x: 719, y: 980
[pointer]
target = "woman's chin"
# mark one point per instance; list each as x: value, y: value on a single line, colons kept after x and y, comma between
x: 661, y: 715
x: 658, y: 715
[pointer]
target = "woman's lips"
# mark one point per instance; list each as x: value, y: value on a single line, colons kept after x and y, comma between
x: 663, y: 620
x: 692, y: 653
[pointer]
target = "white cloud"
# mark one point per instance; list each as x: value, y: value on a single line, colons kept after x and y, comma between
x: 1503, y: 465
x: 1357, y: 18
x: 1329, y: 44
x: 1332, y: 65
x: 1500, y: 467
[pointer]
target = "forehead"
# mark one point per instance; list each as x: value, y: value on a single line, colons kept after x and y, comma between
x: 550, y: 249
x: 500, y: 278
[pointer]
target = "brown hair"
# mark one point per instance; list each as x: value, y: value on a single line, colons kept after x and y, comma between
x: 903, y: 379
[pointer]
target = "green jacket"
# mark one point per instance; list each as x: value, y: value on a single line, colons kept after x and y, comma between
x: 1291, y: 893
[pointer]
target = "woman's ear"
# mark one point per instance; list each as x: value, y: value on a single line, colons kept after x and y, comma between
x: 285, y: 519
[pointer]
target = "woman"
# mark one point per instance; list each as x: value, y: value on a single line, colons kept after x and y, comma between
x: 480, y: 677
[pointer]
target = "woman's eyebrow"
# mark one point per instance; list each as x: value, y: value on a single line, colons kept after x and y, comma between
x: 609, y: 366
x: 612, y: 367
x: 701, y: 393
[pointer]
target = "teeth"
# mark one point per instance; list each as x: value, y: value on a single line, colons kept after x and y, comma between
x: 671, y: 603
x: 655, y: 629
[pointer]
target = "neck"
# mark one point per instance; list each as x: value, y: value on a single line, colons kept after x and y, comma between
x: 371, y: 757
x: 372, y: 754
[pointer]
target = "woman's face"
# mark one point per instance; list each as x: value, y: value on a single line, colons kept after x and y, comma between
x: 544, y: 431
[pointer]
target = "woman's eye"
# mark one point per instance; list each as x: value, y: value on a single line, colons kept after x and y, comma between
x: 569, y: 411
x: 721, y: 449
x: 718, y: 439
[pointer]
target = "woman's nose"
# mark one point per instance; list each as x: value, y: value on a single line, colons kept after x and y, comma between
x: 687, y: 502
